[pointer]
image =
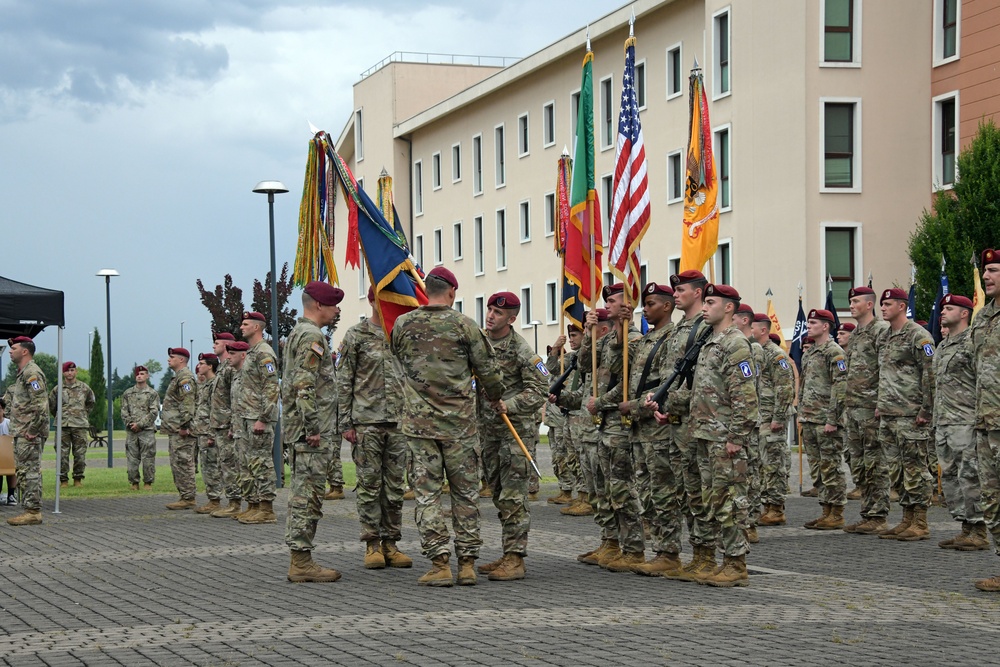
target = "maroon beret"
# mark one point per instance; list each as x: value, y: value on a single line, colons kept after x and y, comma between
x: 324, y: 294
x: 572, y: 327
x: 808, y: 341
x: 504, y: 300
x: 654, y: 288
x: 922, y: 323
x: 223, y: 336
x: 860, y: 291
x: 725, y: 291
x: 846, y: 326
x: 761, y: 317
x: 611, y: 290
x: 371, y: 295
x: 894, y: 293
x: 602, y: 314
x: 138, y: 369
x: 685, y: 277
x: 19, y: 339
x: 255, y: 316
x: 238, y: 346
x: 745, y: 309
x: 179, y: 351
x: 774, y: 338
x: 445, y: 275
x: 820, y: 314
x: 68, y: 365
x: 989, y: 256
x: 957, y: 300
x: 207, y: 356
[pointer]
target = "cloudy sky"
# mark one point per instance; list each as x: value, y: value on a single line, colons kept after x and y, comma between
x: 132, y: 133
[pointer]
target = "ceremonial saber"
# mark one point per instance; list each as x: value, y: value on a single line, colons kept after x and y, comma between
x: 520, y: 443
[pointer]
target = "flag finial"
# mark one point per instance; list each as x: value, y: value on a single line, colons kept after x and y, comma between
x: 631, y: 24
x: 769, y: 293
x: 942, y: 263
x: 800, y: 291
x: 870, y: 279
x: 913, y: 274
x: 384, y: 173
x: 588, y: 37
x: 565, y: 151
x: 697, y: 67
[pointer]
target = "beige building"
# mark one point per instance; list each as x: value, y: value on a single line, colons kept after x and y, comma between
x: 821, y: 133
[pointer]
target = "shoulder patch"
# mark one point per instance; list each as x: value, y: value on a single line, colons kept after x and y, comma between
x: 541, y: 367
x: 269, y: 366
x: 928, y: 349
x: 34, y: 384
x: 841, y: 365
x: 746, y: 369
x: 186, y: 387
x: 783, y: 362
x: 338, y: 355
x: 317, y: 349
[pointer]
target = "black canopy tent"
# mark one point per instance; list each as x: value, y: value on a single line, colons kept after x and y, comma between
x: 24, y: 311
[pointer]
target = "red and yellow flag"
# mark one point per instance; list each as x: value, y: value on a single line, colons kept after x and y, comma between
x: 701, y: 209
x: 775, y: 324
x: 978, y: 295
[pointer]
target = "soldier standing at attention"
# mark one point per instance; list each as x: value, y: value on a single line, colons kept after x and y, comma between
x: 78, y: 401
x: 439, y: 350
x: 370, y: 395
x: 844, y: 332
x: 140, y: 408
x: 257, y: 411
x: 208, y: 450
x: 775, y: 393
x: 309, y: 430
x: 905, y: 406
x: 29, y: 425
x: 955, y: 425
x: 220, y: 420
x: 179, y: 404
x: 743, y: 320
x: 237, y: 357
x: 564, y: 462
x: 821, y: 403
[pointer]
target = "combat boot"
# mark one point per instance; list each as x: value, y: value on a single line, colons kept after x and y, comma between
x: 304, y: 569
x: 511, y: 569
x: 77, y: 482
x: 751, y: 535
x: 486, y: 568
x: 663, y: 562
x: 592, y: 556
x: 135, y: 486
x: 812, y: 524
x: 611, y: 553
x: 627, y: 562
x: 147, y: 487
x: 208, y: 508
x: 853, y: 527
x: 335, y: 493
x: 977, y: 540
x: 875, y: 525
x: 393, y: 556
x: 26, y: 518
x: 950, y: 542
x: 486, y: 492
x: 234, y: 508
x: 466, y: 571
x: 564, y: 498
x: 855, y: 494
x: 701, y: 566
x: 732, y: 573
x: 439, y: 574
x: 264, y: 514
x: 374, y: 559
x: 251, y: 509
x: 811, y: 493
x: 833, y: 521
x: 409, y: 495
x: 917, y: 529
x: 180, y: 505
x: 991, y: 585
x: 891, y: 533
x: 581, y: 508
x: 776, y: 517
x: 533, y: 496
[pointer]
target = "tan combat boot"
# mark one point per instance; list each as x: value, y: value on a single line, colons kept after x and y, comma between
x: 26, y: 518
x: 181, y: 505
x: 77, y: 482
x: 486, y: 492
x: 684, y: 571
x: 853, y: 527
x: 409, y: 495
x: 135, y: 487
x: 486, y: 568
x: 657, y: 567
x: 751, y: 535
x: 732, y: 573
x: 264, y: 514
x: 564, y: 498
x: 335, y: 493
x: 855, y: 494
x: 991, y: 585
x: 978, y: 539
x: 510, y: 570
x: 612, y: 552
x: 581, y: 508
x: 252, y: 508
x: 627, y: 562
x: 439, y: 574
x: 374, y: 559
x: 707, y: 567
x: 63, y: 485
x: 833, y: 521
x: 592, y: 556
x: 917, y: 529
x: 466, y: 571
x: 303, y: 569
x: 811, y: 525
x: 234, y: 507
x: 208, y: 508
x: 811, y: 493
x: 950, y: 542
x: 147, y: 487
x: 891, y: 533
x: 875, y: 525
x: 701, y: 566
x: 776, y: 517
x: 393, y: 556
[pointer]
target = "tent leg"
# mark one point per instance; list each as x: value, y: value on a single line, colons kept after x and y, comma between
x: 59, y: 407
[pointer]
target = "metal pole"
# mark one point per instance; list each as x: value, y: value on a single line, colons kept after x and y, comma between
x: 111, y: 400
x: 59, y: 407
x: 279, y: 471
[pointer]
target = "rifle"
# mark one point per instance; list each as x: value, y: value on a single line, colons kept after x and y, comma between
x: 557, y: 386
x: 683, y: 369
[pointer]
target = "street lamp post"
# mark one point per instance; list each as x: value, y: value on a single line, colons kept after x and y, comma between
x: 535, y: 324
x: 271, y: 188
x: 108, y: 273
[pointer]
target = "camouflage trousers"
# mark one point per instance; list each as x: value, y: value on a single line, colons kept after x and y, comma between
x: 831, y: 482
x: 305, y: 494
x: 812, y: 457
x: 380, y: 461
x: 27, y: 466
x: 256, y: 452
x: 854, y: 455
x: 228, y: 464
x: 604, y: 516
x: 576, y: 436
x: 988, y: 452
x: 956, y: 452
x: 913, y: 444
x: 565, y: 462
x: 335, y: 467
x: 434, y: 461
x: 773, y: 472
x: 182, y: 464
x: 754, y: 484
x: 695, y: 493
x: 73, y: 440
x: 211, y: 473
x: 532, y: 445
x: 615, y: 454
x: 664, y: 501
x: 724, y: 480
x: 864, y: 434
x: 507, y: 473
x: 140, y: 449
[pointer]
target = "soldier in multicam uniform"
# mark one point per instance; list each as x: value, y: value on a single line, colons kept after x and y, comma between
x: 775, y: 394
x: 955, y: 424
x: 844, y: 331
x: 78, y: 401
x: 743, y: 319
x: 220, y: 420
x: 565, y: 463
x: 439, y: 350
x: 309, y: 427
x: 177, y: 418
x: 985, y: 335
x: 821, y: 404
x: 255, y: 412
x: 237, y: 357
x: 905, y: 407
x: 370, y: 396
x: 29, y: 426
x: 208, y: 450
x: 140, y: 408
x: 860, y: 396
x: 525, y: 386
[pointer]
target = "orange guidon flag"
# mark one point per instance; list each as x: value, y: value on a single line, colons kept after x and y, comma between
x: 776, y: 325
x: 701, y: 209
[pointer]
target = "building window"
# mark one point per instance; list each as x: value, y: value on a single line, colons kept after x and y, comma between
x: 722, y: 79
x: 438, y: 246
x: 551, y: 302
x: 675, y: 178
x: 436, y: 171
x: 418, y: 187
x: 607, y: 114
x: 480, y: 312
x: 840, y: 262
x: 522, y: 135
x: 456, y: 239
x: 947, y: 30
x: 501, y: 239
x: 640, y: 84
x: 723, y: 165
x: 524, y: 217
x: 643, y: 274
x: 477, y: 240
x: 609, y: 278
x: 574, y: 110
x: 549, y: 124
x: 460, y: 306
x: 724, y: 262
x: 673, y: 266
x: 456, y: 163
x: 838, y: 31
x: 550, y: 214
x: 477, y: 164
x: 418, y: 249
x: 526, y: 318
x: 608, y: 194
x: 675, y: 77
x: 362, y: 277
x: 945, y: 139
x: 359, y: 136
x: 500, y: 153
x: 841, y: 145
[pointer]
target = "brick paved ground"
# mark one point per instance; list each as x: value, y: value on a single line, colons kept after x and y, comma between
x: 127, y: 582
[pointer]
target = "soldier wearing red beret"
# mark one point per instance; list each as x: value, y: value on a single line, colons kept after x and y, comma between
x: 29, y: 425
x: 743, y: 320
x: 221, y: 422
x: 179, y: 405
x: 208, y: 451
x: 77, y: 402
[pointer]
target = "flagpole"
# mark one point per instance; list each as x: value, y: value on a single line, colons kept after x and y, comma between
x: 798, y: 430
x: 562, y: 315
x: 626, y: 419
x: 593, y: 297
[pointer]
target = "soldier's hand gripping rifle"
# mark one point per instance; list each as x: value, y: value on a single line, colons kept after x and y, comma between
x: 555, y: 389
x: 683, y: 369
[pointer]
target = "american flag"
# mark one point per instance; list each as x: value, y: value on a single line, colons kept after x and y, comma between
x: 630, y: 206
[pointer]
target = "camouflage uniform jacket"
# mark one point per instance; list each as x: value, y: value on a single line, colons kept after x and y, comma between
x: 776, y: 388
x: 862, y: 356
x: 986, y: 340
x: 609, y: 375
x: 554, y: 417
x: 140, y: 406
x: 26, y: 403
x: 724, y: 395
x: 573, y: 396
x: 757, y: 354
x: 822, y: 384
x: 179, y: 402
x: 644, y: 427
x: 258, y: 395
x: 439, y: 350
x: 202, y: 424
x: 221, y: 413
x: 679, y: 399
x: 368, y: 383
x: 308, y: 384
x: 525, y: 386
x: 955, y: 381
x: 906, y: 374
x: 78, y: 401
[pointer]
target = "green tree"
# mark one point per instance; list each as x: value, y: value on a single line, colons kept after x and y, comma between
x: 47, y: 362
x: 164, y: 383
x: 98, y: 383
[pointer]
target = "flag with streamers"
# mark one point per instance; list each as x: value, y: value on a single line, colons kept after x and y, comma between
x: 314, y: 250
x: 572, y: 306
x: 775, y: 324
x: 701, y: 209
